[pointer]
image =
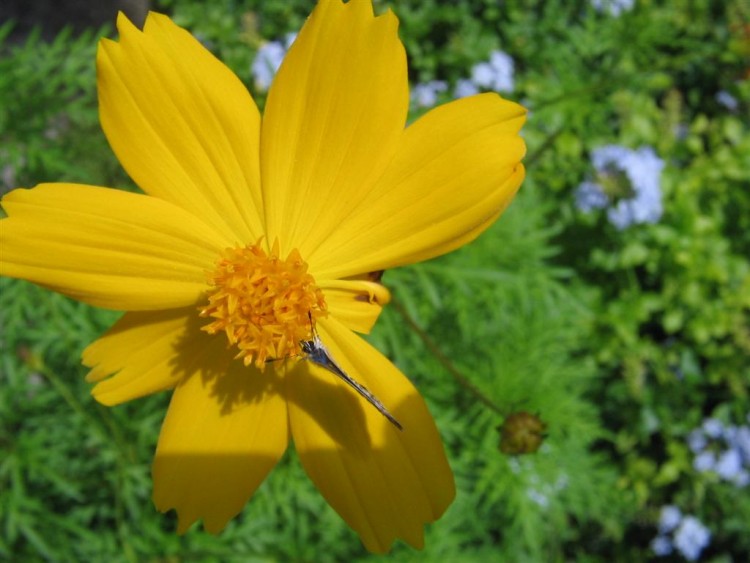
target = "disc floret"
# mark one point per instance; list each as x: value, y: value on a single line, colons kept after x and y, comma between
x: 262, y: 303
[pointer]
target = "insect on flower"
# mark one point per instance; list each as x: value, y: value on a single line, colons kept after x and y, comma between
x: 243, y: 217
x: 316, y: 352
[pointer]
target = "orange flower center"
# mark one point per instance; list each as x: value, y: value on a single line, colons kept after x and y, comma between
x: 262, y: 303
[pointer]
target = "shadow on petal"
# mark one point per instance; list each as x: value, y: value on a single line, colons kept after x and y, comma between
x: 329, y: 400
x: 226, y: 379
x: 220, y: 438
x: 384, y: 483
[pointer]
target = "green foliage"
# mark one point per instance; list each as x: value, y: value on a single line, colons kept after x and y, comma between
x: 47, y: 97
x: 621, y: 341
x: 512, y: 326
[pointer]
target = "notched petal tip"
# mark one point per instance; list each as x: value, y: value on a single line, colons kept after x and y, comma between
x: 332, y: 121
x: 384, y: 483
x: 123, y: 23
x: 182, y: 124
x: 225, y: 430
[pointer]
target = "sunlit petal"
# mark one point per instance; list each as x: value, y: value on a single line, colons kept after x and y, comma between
x: 334, y: 115
x: 182, y: 124
x: 107, y: 247
x: 456, y: 168
x: 355, y: 303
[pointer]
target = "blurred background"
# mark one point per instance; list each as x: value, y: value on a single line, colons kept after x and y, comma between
x: 51, y: 16
x: 587, y: 359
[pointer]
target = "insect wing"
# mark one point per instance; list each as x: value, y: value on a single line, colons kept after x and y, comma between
x: 318, y: 354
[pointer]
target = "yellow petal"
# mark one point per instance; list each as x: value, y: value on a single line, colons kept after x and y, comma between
x: 384, y: 483
x: 142, y: 352
x: 182, y: 124
x: 334, y: 114
x: 107, y: 247
x: 355, y: 303
x: 456, y: 168
x: 225, y: 430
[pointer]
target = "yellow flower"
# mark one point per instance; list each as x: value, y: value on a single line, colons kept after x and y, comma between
x: 248, y: 228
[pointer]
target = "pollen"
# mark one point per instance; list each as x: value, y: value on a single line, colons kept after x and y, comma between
x: 262, y: 303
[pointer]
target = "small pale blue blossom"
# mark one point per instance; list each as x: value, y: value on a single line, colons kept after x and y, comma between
x: 722, y: 449
x: 538, y: 498
x: 742, y: 443
x: 729, y: 464
x: 669, y: 518
x: 697, y: 441
x: 8, y: 175
x: 713, y: 428
x: 610, y: 155
x: 742, y: 479
x: 613, y: 7
x: 704, y: 461
x: 496, y: 74
x: 268, y: 60
x: 661, y: 546
x: 464, y: 88
x: 425, y: 94
x: 691, y: 537
x: 9, y: 166
x: 589, y: 196
x: 627, y: 182
x: 727, y: 100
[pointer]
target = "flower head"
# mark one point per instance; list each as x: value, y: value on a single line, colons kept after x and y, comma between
x: 425, y: 95
x: 727, y: 100
x: 252, y: 232
x: 495, y: 74
x: 685, y: 533
x: 464, y: 87
x: 521, y: 433
x: 268, y: 60
x: 627, y: 182
x: 613, y: 7
x: 691, y: 537
x: 661, y: 546
x: 722, y: 449
x: 669, y: 518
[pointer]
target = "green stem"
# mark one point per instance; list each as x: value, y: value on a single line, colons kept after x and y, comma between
x: 548, y: 142
x: 445, y: 360
x: 579, y: 93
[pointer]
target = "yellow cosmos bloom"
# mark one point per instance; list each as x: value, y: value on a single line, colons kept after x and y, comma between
x: 248, y: 228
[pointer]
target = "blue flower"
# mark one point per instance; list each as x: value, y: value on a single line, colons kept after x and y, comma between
x: 589, y: 196
x: 727, y: 100
x: 669, y: 518
x: 722, y: 449
x: 691, y: 537
x: 661, y: 546
x: 697, y: 441
x: 627, y: 182
x: 268, y: 60
x: 464, y: 88
x: 729, y: 464
x: 614, y: 7
x: 496, y: 74
x: 713, y: 428
x: 704, y: 461
x: 425, y: 95
x: 741, y: 441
